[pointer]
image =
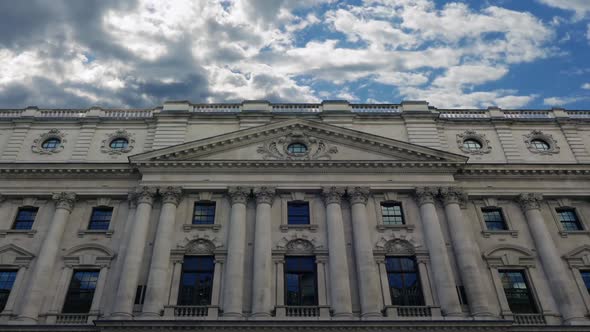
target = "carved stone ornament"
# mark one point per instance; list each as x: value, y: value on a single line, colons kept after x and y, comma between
x: 399, y: 247
x: 238, y: 194
x: 358, y: 195
x: 333, y: 194
x: 53, y: 133
x: 425, y: 195
x: 299, y: 247
x: 453, y: 195
x: 539, y: 135
x: 264, y: 195
x: 530, y: 201
x: 276, y: 149
x: 473, y: 135
x: 144, y: 194
x: 64, y: 200
x: 200, y: 247
x: 105, y: 146
x: 171, y: 194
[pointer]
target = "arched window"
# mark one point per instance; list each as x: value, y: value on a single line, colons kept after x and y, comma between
x: 51, y: 143
x: 119, y: 143
x: 297, y: 148
x: 540, y: 145
x: 472, y: 144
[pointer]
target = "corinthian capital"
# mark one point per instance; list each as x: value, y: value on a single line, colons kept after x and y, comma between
x: 425, y: 195
x: 64, y: 200
x: 144, y: 194
x: 238, y: 194
x: 453, y: 195
x: 358, y: 194
x: 171, y: 194
x: 530, y: 201
x: 333, y: 194
x: 264, y: 195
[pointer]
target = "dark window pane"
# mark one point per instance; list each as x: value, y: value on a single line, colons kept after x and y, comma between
x: 51, y: 144
x: 25, y: 217
x: 297, y: 148
x: 586, y: 278
x: 81, y: 292
x: 517, y: 291
x: 6, y: 282
x: 569, y: 220
x: 404, y: 281
x: 300, y: 281
x: 540, y: 145
x: 100, y: 218
x: 494, y: 219
x: 298, y: 213
x: 204, y: 213
x: 119, y: 144
x: 196, y: 281
x: 392, y: 214
x: 140, y: 294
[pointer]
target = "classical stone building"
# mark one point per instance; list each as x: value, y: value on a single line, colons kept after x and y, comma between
x: 260, y: 216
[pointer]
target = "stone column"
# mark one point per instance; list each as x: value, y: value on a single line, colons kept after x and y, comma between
x: 338, y: 266
x: 233, y: 289
x: 45, y: 262
x: 262, y: 272
x: 569, y: 304
x: 441, y: 269
x: 98, y: 291
x: 123, y: 308
x: 160, y: 264
x: 384, y: 281
x: 466, y: 251
x: 366, y: 271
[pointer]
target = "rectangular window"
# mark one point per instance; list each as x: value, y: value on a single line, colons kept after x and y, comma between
x: 204, y: 213
x: 25, y: 217
x: 392, y: 213
x: 569, y: 219
x: 196, y: 281
x: 298, y: 213
x: 300, y: 281
x: 404, y: 281
x: 6, y: 282
x: 517, y: 291
x: 100, y: 218
x: 586, y: 277
x: 81, y: 292
x: 494, y: 219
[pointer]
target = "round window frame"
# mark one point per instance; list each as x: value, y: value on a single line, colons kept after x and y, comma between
x: 473, y: 135
x: 287, y: 149
x: 126, y: 145
x: 119, y: 134
x: 37, y: 146
x: 479, y: 145
x: 541, y: 136
x: 57, y: 145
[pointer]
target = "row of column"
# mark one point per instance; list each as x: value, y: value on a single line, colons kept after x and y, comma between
x: 467, y: 254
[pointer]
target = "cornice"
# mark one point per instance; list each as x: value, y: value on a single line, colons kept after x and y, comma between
x: 539, y: 170
x: 66, y: 169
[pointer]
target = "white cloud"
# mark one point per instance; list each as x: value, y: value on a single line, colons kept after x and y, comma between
x: 581, y: 8
x: 560, y: 101
x: 586, y: 86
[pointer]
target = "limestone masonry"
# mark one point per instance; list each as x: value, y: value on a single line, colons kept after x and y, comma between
x: 327, y: 217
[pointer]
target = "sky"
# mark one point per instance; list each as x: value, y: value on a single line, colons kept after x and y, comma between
x: 515, y: 54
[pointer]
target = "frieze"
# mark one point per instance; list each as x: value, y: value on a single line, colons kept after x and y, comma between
x: 316, y: 149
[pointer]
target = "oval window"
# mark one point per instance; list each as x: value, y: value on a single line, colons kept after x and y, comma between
x: 472, y: 144
x: 51, y: 143
x: 119, y: 144
x: 297, y: 148
x: 540, y: 145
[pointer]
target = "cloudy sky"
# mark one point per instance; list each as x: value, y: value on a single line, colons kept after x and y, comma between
x: 510, y: 53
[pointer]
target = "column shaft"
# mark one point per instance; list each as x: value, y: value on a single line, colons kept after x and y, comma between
x: 443, y: 277
x: 340, y: 285
x: 262, y: 272
x: 45, y: 262
x: 160, y: 264
x: 466, y: 252
x: 569, y: 304
x: 366, y: 271
x: 234, y: 269
x: 99, y: 290
x: 129, y: 278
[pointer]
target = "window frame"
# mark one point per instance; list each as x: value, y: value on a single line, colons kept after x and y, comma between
x: 313, y: 258
x: 409, y: 211
x: 297, y: 196
x: 13, y: 206
x: 308, y: 215
x: 87, y: 215
x: 565, y: 203
x: 527, y: 279
x: 69, y: 287
x: 221, y: 209
x: 211, y: 286
x: 401, y: 210
x: 90, y: 221
x: 416, y: 271
x: 489, y: 203
x: 18, y: 210
x: 12, y: 286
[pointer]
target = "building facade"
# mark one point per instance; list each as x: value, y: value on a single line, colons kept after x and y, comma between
x: 273, y: 216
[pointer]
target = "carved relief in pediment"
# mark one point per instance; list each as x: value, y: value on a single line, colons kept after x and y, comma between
x: 297, y: 145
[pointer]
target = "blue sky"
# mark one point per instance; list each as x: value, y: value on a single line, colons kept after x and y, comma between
x: 139, y: 53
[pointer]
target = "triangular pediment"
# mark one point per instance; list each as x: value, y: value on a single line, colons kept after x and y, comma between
x: 322, y: 142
